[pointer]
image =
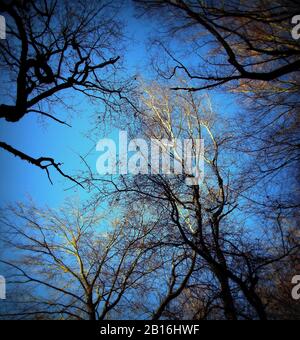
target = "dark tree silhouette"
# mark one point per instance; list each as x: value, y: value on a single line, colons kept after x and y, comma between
x: 53, y: 47
x: 254, y: 39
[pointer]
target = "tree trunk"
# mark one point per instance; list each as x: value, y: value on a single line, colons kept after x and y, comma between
x: 229, y: 307
x: 91, y: 308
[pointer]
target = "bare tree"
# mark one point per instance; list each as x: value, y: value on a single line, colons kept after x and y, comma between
x: 248, y: 49
x: 254, y: 39
x: 71, y: 263
x: 55, y: 49
x: 208, y: 217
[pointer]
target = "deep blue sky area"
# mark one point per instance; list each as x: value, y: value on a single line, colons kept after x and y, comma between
x: 20, y: 180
